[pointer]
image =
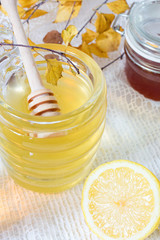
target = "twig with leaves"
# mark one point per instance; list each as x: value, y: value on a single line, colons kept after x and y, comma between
x: 70, y: 15
x: 119, y: 57
x: 98, y: 42
x: 105, y: 39
x: 42, y: 48
x: 35, y: 7
x: 89, y: 20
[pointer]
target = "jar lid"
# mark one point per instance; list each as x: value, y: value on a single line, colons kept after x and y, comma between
x: 143, y: 29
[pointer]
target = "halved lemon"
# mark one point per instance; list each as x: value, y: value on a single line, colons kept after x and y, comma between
x: 121, y: 200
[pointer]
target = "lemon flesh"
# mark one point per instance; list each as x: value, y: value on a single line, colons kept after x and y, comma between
x: 121, y: 200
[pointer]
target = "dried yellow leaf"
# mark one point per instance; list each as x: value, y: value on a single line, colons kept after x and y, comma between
x: 8, y: 41
x: 109, y: 17
x: 108, y: 41
x: 72, y: 71
x: 69, y: 33
x: 35, y: 55
x: 96, y: 51
x: 21, y: 11
x: 89, y: 35
x: 36, y: 14
x: 85, y: 48
x: 65, y: 9
x: 100, y: 23
x: 27, y: 3
x: 54, y: 71
x: 31, y: 42
x: 118, y: 6
x: 103, y: 22
x: 92, y: 49
x: 3, y: 10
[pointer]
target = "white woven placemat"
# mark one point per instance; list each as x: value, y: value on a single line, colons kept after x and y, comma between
x: 132, y: 132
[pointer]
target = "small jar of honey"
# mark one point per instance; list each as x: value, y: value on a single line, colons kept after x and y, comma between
x: 142, y: 48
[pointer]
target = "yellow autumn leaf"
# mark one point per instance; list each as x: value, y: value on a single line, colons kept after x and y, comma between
x: 54, y: 71
x: 108, y: 41
x: 27, y: 3
x: 109, y: 17
x: 69, y: 33
x: 8, y: 41
x: 118, y: 6
x: 35, y: 54
x: 84, y: 47
x: 100, y: 23
x: 21, y: 11
x: 30, y: 42
x: 103, y: 22
x: 3, y: 10
x: 72, y: 71
x: 66, y: 8
x: 36, y: 14
x: 89, y: 35
x: 96, y: 51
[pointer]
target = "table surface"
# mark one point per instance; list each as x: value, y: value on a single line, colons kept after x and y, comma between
x: 132, y: 132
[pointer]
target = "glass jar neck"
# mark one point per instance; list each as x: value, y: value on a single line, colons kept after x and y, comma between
x: 143, y: 29
x: 138, y: 59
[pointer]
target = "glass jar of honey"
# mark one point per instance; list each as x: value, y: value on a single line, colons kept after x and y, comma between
x: 142, y: 48
x: 64, y: 157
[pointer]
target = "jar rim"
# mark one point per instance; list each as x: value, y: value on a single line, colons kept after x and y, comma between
x: 139, y: 29
x: 63, y: 117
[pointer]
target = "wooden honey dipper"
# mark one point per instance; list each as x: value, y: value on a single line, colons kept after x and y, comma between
x: 41, y: 100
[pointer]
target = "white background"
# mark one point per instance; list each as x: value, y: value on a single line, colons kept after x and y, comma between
x: 132, y: 132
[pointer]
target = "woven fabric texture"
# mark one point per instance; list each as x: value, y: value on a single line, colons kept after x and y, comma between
x: 132, y: 132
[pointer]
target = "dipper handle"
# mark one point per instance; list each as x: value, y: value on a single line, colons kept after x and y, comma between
x: 26, y: 55
x: 41, y: 100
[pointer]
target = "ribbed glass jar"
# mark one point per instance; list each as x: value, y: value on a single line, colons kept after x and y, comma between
x: 53, y: 164
x: 142, y: 48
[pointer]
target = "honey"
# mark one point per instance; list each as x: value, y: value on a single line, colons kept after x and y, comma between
x: 55, y: 163
x: 144, y: 81
x: 71, y: 91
